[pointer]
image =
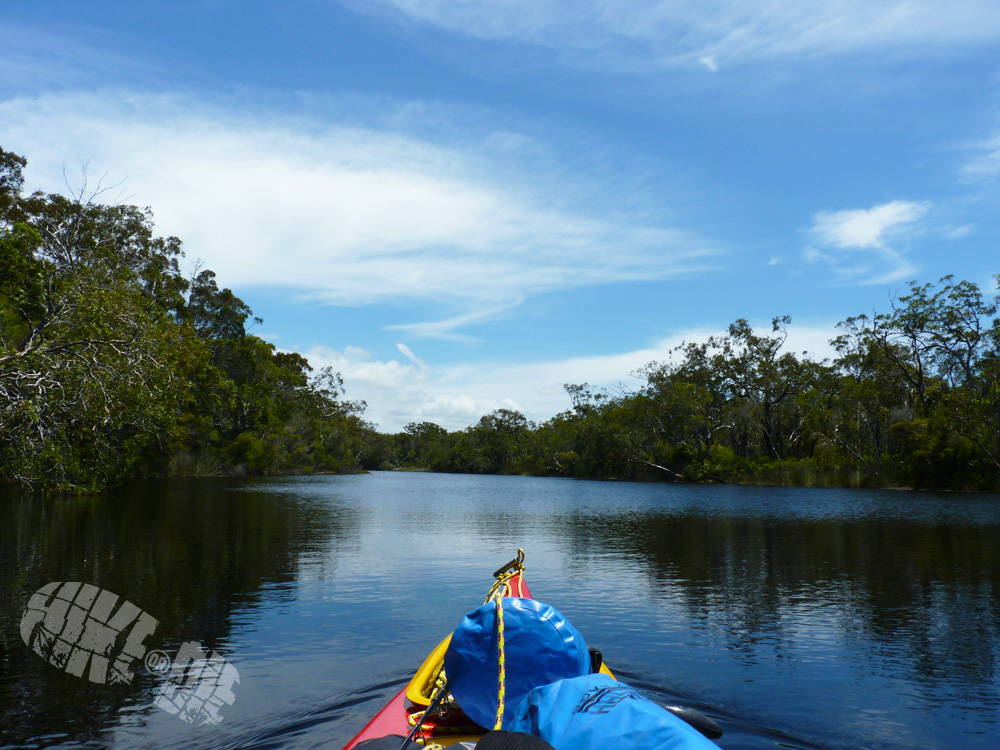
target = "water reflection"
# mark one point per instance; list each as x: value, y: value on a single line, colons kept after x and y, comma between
x: 930, y: 589
x: 191, y: 553
x: 889, y: 596
x: 806, y: 619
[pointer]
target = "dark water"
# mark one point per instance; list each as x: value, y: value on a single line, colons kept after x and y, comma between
x: 797, y: 618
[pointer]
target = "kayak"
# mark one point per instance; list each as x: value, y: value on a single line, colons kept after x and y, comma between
x: 569, y: 696
x: 448, y: 724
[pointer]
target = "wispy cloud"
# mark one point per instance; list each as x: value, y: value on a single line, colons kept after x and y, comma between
x: 985, y: 159
x: 859, y: 244
x: 408, y: 353
x: 348, y: 215
x: 865, y: 228
x: 455, y: 396
x: 35, y: 59
x: 447, y: 329
x: 709, y: 62
x: 615, y: 33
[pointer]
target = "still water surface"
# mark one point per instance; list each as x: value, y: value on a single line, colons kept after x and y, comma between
x: 811, y: 619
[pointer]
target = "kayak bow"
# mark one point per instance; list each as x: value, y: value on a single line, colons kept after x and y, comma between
x: 448, y: 724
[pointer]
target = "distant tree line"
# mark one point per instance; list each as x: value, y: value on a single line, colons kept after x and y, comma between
x: 912, y: 399
x: 112, y: 364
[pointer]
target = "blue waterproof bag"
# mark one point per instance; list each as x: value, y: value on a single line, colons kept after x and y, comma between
x: 597, y: 713
x: 540, y: 646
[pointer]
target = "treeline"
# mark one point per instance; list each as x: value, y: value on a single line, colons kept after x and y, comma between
x: 912, y: 399
x: 112, y: 364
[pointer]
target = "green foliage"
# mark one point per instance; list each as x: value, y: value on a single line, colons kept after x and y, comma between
x: 112, y: 364
x: 912, y: 399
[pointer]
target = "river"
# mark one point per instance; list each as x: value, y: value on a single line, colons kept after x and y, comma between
x: 798, y: 618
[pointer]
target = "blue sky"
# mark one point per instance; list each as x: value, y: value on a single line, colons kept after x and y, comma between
x: 464, y: 205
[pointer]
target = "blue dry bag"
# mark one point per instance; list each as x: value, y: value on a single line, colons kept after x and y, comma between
x: 597, y: 713
x: 540, y: 646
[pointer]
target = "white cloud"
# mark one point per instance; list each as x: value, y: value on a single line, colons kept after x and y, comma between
x: 855, y: 242
x: 455, y: 396
x: 446, y: 329
x: 348, y: 215
x: 406, y: 352
x: 865, y: 228
x: 364, y: 373
x: 985, y: 162
x: 709, y: 62
x: 616, y: 33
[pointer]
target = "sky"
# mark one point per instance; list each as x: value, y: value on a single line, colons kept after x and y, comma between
x: 464, y: 205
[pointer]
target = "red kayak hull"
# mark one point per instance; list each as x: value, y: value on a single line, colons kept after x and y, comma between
x: 392, y: 719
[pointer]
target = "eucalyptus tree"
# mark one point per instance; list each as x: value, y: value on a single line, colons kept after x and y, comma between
x: 88, y: 345
x: 921, y: 384
x: 499, y: 440
x: 112, y: 363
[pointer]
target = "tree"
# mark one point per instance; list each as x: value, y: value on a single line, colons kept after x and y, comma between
x: 762, y: 383
x: 689, y: 399
x: 499, y: 441
x: 918, y: 387
x: 112, y: 364
x: 86, y: 344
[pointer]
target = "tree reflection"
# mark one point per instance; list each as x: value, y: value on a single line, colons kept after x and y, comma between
x: 929, y: 592
x: 191, y: 553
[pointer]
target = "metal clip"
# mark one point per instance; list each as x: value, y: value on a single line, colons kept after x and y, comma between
x: 515, y: 563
